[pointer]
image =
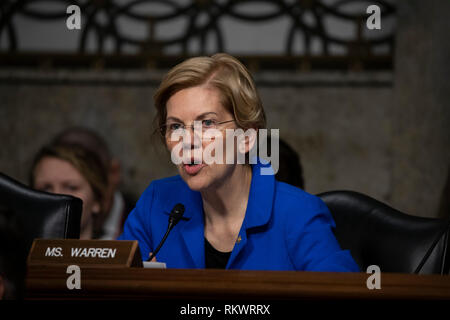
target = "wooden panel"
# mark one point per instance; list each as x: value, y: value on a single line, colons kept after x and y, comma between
x: 137, y: 283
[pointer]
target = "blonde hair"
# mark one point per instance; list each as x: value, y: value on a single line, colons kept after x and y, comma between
x: 222, y: 72
x: 85, y: 161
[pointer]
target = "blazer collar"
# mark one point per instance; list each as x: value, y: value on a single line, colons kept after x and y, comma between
x: 261, y: 196
x: 259, y: 206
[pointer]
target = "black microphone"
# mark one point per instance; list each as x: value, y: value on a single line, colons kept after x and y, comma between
x: 174, y: 217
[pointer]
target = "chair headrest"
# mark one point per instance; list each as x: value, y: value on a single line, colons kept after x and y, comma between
x: 42, y: 214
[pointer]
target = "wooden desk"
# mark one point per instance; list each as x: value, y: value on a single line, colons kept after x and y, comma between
x: 137, y: 283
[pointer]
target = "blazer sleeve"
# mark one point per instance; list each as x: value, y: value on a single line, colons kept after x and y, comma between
x: 311, y: 243
x: 137, y: 225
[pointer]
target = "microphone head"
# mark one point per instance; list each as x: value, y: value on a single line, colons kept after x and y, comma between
x: 178, y: 209
x: 176, y: 214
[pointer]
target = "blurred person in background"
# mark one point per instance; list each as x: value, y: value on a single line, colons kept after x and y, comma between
x: 116, y: 205
x: 73, y: 170
x: 290, y: 169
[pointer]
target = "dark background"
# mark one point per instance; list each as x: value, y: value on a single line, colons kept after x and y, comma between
x: 373, y: 119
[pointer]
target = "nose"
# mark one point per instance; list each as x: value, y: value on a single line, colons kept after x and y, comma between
x: 192, y: 138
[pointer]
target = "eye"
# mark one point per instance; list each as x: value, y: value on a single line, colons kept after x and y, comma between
x: 174, y: 126
x: 72, y: 188
x: 208, y: 123
x: 46, y: 188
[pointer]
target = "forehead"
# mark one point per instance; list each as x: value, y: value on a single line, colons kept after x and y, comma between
x: 192, y: 102
x: 54, y: 169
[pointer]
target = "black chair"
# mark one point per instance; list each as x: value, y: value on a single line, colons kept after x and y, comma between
x: 377, y: 234
x: 41, y: 214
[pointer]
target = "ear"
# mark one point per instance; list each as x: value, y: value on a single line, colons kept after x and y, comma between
x: 115, y: 172
x: 96, y: 208
x: 246, y: 144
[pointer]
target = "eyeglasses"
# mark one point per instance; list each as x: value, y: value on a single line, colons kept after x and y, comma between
x: 203, y: 125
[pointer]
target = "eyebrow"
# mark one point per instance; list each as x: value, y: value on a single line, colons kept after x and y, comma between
x: 201, y: 116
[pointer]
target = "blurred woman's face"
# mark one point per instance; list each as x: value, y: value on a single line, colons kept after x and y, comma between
x: 203, y: 105
x: 55, y: 175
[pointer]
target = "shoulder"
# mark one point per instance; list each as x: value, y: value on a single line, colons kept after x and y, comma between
x: 297, y: 207
x: 290, y: 197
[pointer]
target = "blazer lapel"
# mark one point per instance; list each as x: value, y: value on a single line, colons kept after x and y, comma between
x: 192, y: 231
x: 259, y: 208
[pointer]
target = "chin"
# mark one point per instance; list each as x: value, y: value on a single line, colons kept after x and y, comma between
x: 198, y: 182
x: 196, y: 185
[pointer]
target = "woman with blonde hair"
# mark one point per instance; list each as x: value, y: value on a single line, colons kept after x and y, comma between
x: 73, y: 170
x: 235, y: 217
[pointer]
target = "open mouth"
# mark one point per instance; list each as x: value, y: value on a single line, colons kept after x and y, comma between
x: 193, y: 168
x: 191, y: 161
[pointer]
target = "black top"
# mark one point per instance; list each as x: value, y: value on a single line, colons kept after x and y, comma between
x: 214, y: 258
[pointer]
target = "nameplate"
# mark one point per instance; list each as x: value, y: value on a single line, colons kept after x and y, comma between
x: 93, y: 253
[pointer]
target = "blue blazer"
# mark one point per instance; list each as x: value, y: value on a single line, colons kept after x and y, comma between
x: 284, y: 228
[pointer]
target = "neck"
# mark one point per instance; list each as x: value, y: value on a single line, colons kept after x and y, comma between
x: 228, y: 201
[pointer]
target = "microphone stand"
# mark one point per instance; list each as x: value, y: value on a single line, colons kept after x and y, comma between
x: 175, y: 215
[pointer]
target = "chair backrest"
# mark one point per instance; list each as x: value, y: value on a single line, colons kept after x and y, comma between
x: 377, y: 234
x: 41, y: 214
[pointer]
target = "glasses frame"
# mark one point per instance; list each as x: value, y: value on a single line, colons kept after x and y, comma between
x: 162, y: 129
